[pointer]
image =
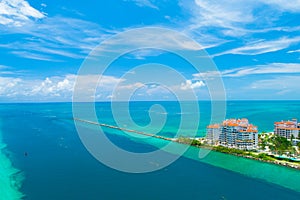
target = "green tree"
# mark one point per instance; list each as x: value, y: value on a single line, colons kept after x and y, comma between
x: 263, y: 144
x: 281, y: 144
x: 195, y: 143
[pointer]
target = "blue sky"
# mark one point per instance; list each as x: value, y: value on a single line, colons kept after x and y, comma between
x: 254, y: 44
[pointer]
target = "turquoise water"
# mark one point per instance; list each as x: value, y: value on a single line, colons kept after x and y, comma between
x: 283, y: 176
x: 57, y: 166
x: 9, y: 176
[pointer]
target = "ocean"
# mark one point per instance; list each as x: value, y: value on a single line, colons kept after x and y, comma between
x: 42, y: 156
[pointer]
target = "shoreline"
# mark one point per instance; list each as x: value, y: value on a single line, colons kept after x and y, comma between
x: 246, y: 154
x: 196, y: 143
x: 10, y: 182
x: 275, y: 162
x: 247, y: 166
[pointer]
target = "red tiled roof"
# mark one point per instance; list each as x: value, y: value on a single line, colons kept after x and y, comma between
x: 213, y: 126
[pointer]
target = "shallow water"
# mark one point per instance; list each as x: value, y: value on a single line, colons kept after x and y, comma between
x: 59, y: 167
x: 10, y: 179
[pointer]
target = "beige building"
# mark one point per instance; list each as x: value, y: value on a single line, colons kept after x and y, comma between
x: 235, y: 133
x: 213, y: 133
x: 287, y: 129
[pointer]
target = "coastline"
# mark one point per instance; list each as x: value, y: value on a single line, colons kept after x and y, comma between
x: 253, y: 168
x: 293, y: 165
x: 242, y: 153
x: 10, y: 182
x: 196, y: 143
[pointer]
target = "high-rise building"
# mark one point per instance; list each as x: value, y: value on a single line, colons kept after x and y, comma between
x: 236, y: 133
x: 287, y: 129
x: 213, y: 133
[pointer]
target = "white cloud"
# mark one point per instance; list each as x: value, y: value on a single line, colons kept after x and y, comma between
x: 154, y: 92
x: 208, y: 41
x: 226, y: 17
x: 73, y: 38
x: 222, y: 13
x: 8, y: 85
x: 17, y: 12
x: 155, y: 38
x: 34, y: 56
x: 273, y: 68
x: 279, y: 84
x: 263, y: 46
x: 144, y: 3
x: 283, y: 87
x: 141, y: 54
x: 207, y: 75
x: 131, y: 86
x: 8, y: 70
x: 61, y: 88
x: 291, y: 6
x: 189, y: 84
x: 231, y: 18
x: 294, y: 51
x: 56, y: 88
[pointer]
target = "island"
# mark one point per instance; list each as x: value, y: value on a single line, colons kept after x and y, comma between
x: 240, y: 138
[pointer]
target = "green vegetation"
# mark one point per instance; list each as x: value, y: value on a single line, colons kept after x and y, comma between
x: 264, y: 140
x: 277, y: 144
x: 281, y: 145
x: 229, y: 150
x: 196, y: 143
x: 264, y: 156
x: 189, y: 141
x: 292, y: 137
x: 261, y: 156
x: 263, y: 144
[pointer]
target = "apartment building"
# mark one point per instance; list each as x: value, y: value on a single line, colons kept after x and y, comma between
x: 287, y: 129
x: 235, y: 133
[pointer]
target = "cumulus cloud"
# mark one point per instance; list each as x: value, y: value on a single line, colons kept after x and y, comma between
x: 61, y: 88
x: 189, y: 84
x: 8, y: 86
x: 55, y: 88
x: 17, y: 12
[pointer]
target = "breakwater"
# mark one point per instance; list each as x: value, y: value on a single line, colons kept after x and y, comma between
x: 124, y: 129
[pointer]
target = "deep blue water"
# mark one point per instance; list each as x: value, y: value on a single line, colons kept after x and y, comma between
x: 57, y: 166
